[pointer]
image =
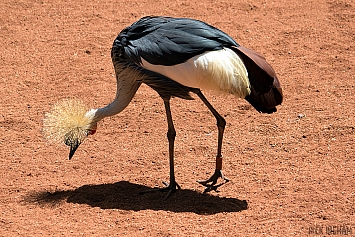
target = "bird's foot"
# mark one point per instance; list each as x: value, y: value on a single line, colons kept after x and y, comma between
x: 170, y: 188
x: 210, y: 183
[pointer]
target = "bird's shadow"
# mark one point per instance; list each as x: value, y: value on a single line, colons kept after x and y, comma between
x: 124, y: 195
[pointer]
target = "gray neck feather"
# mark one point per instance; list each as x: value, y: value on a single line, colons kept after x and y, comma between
x: 129, y: 78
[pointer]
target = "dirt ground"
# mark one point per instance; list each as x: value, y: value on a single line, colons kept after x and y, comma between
x: 292, y: 172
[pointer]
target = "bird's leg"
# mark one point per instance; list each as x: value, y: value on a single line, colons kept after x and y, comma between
x: 210, y: 183
x: 172, y: 186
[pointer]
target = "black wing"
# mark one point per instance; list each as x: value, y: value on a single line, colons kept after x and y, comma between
x: 169, y: 41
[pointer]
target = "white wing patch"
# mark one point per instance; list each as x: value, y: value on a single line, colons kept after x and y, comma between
x: 221, y: 70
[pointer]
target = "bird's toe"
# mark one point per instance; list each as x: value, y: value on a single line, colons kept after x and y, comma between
x: 170, y: 188
x: 210, y: 183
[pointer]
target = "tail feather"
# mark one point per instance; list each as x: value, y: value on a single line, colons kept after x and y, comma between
x: 266, y: 91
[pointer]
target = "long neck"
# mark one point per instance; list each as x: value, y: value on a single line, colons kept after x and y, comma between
x: 129, y: 78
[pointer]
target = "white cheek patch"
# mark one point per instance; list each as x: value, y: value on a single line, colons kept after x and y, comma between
x: 221, y: 70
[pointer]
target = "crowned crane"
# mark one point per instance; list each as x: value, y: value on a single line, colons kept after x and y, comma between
x: 175, y: 57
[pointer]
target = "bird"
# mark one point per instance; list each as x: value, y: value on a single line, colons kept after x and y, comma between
x: 176, y: 57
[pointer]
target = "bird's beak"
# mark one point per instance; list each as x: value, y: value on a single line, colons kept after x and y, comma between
x: 73, y: 147
x: 73, y: 143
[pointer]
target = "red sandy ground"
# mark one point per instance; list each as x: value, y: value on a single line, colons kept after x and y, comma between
x: 292, y: 172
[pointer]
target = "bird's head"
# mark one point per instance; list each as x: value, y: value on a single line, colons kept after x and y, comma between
x: 70, y: 121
